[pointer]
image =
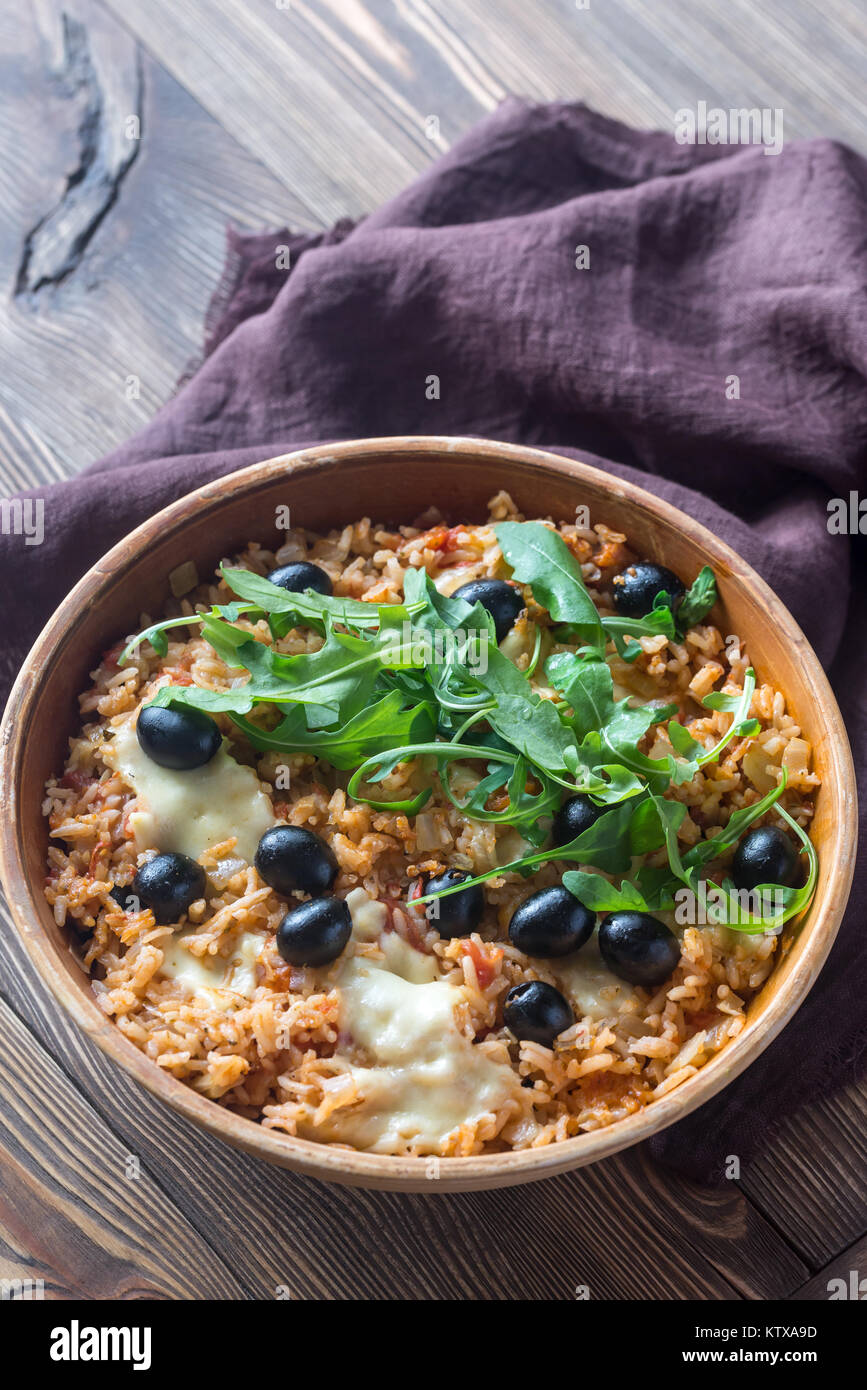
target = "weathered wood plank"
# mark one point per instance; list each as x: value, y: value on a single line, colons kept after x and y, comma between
x: 811, y: 1181
x: 337, y: 128
x: 364, y: 74
x: 94, y: 337
x: 850, y: 1267
x: 69, y: 1212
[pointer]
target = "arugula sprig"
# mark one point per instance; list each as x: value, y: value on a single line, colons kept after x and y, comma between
x: 385, y: 724
x: 663, y: 620
x: 156, y: 635
x: 698, y: 600
x: 541, y: 558
x: 658, y: 622
x: 610, y: 844
x: 723, y: 904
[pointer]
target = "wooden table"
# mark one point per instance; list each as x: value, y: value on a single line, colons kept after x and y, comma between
x: 263, y: 112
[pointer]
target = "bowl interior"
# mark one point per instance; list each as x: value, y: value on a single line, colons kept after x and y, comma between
x: 395, y: 481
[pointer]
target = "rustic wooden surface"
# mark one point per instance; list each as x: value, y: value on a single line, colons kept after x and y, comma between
x: 262, y: 113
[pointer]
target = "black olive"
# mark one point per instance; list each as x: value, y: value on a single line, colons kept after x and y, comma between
x: 636, y: 588
x: 766, y: 855
x: 550, y: 923
x: 575, y: 816
x: 168, y: 885
x: 302, y: 575
x: 122, y: 896
x: 503, y: 601
x: 638, y: 948
x: 459, y: 913
x: 537, y: 1012
x: 314, y: 933
x: 290, y: 859
x: 180, y: 739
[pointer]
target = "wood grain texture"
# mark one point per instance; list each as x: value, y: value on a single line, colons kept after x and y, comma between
x: 98, y: 321
x: 303, y: 111
x: 811, y: 1181
x: 849, y: 1266
x: 364, y: 74
x: 69, y: 1212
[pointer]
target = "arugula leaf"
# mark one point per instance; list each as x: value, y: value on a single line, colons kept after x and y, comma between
x: 587, y: 685
x: 524, y: 809
x: 605, y: 845
x: 239, y: 699
x: 739, y: 821
x: 226, y: 639
x: 647, y: 829
x: 611, y: 729
x: 658, y: 622
x: 155, y: 634
x: 384, y: 725
x: 791, y: 901
x: 618, y: 783
x: 513, y: 709
x: 598, y: 895
x: 768, y: 906
x: 379, y: 765
x: 724, y: 904
x: 738, y: 705
x: 335, y: 682
x: 683, y: 742
x: 432, y: 609
x: 541, y: 558
x: 309, y: 607
x: 656, y: 884
x: 699, y: 599
x: 526, y: 720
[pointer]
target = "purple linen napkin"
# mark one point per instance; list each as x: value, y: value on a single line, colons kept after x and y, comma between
x: 714, y: 344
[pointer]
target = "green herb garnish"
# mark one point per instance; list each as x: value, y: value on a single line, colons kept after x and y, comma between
x: 698, y: 600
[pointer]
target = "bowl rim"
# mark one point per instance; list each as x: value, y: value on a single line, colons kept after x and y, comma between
x: 355, y: 1166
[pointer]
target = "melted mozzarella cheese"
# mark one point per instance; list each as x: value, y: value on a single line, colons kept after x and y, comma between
x: 368, y: 924
x: 190, y: 812
x: 210, y: 978
x: 590, y: 986
x: 426, y: 1078
x: 368, y: 916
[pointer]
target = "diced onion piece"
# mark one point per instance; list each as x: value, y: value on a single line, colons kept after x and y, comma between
x: 225, y: 869
x: 796, y: 756
x: 755, y: 765
x: 427, y: 831
x: 183, y: 579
